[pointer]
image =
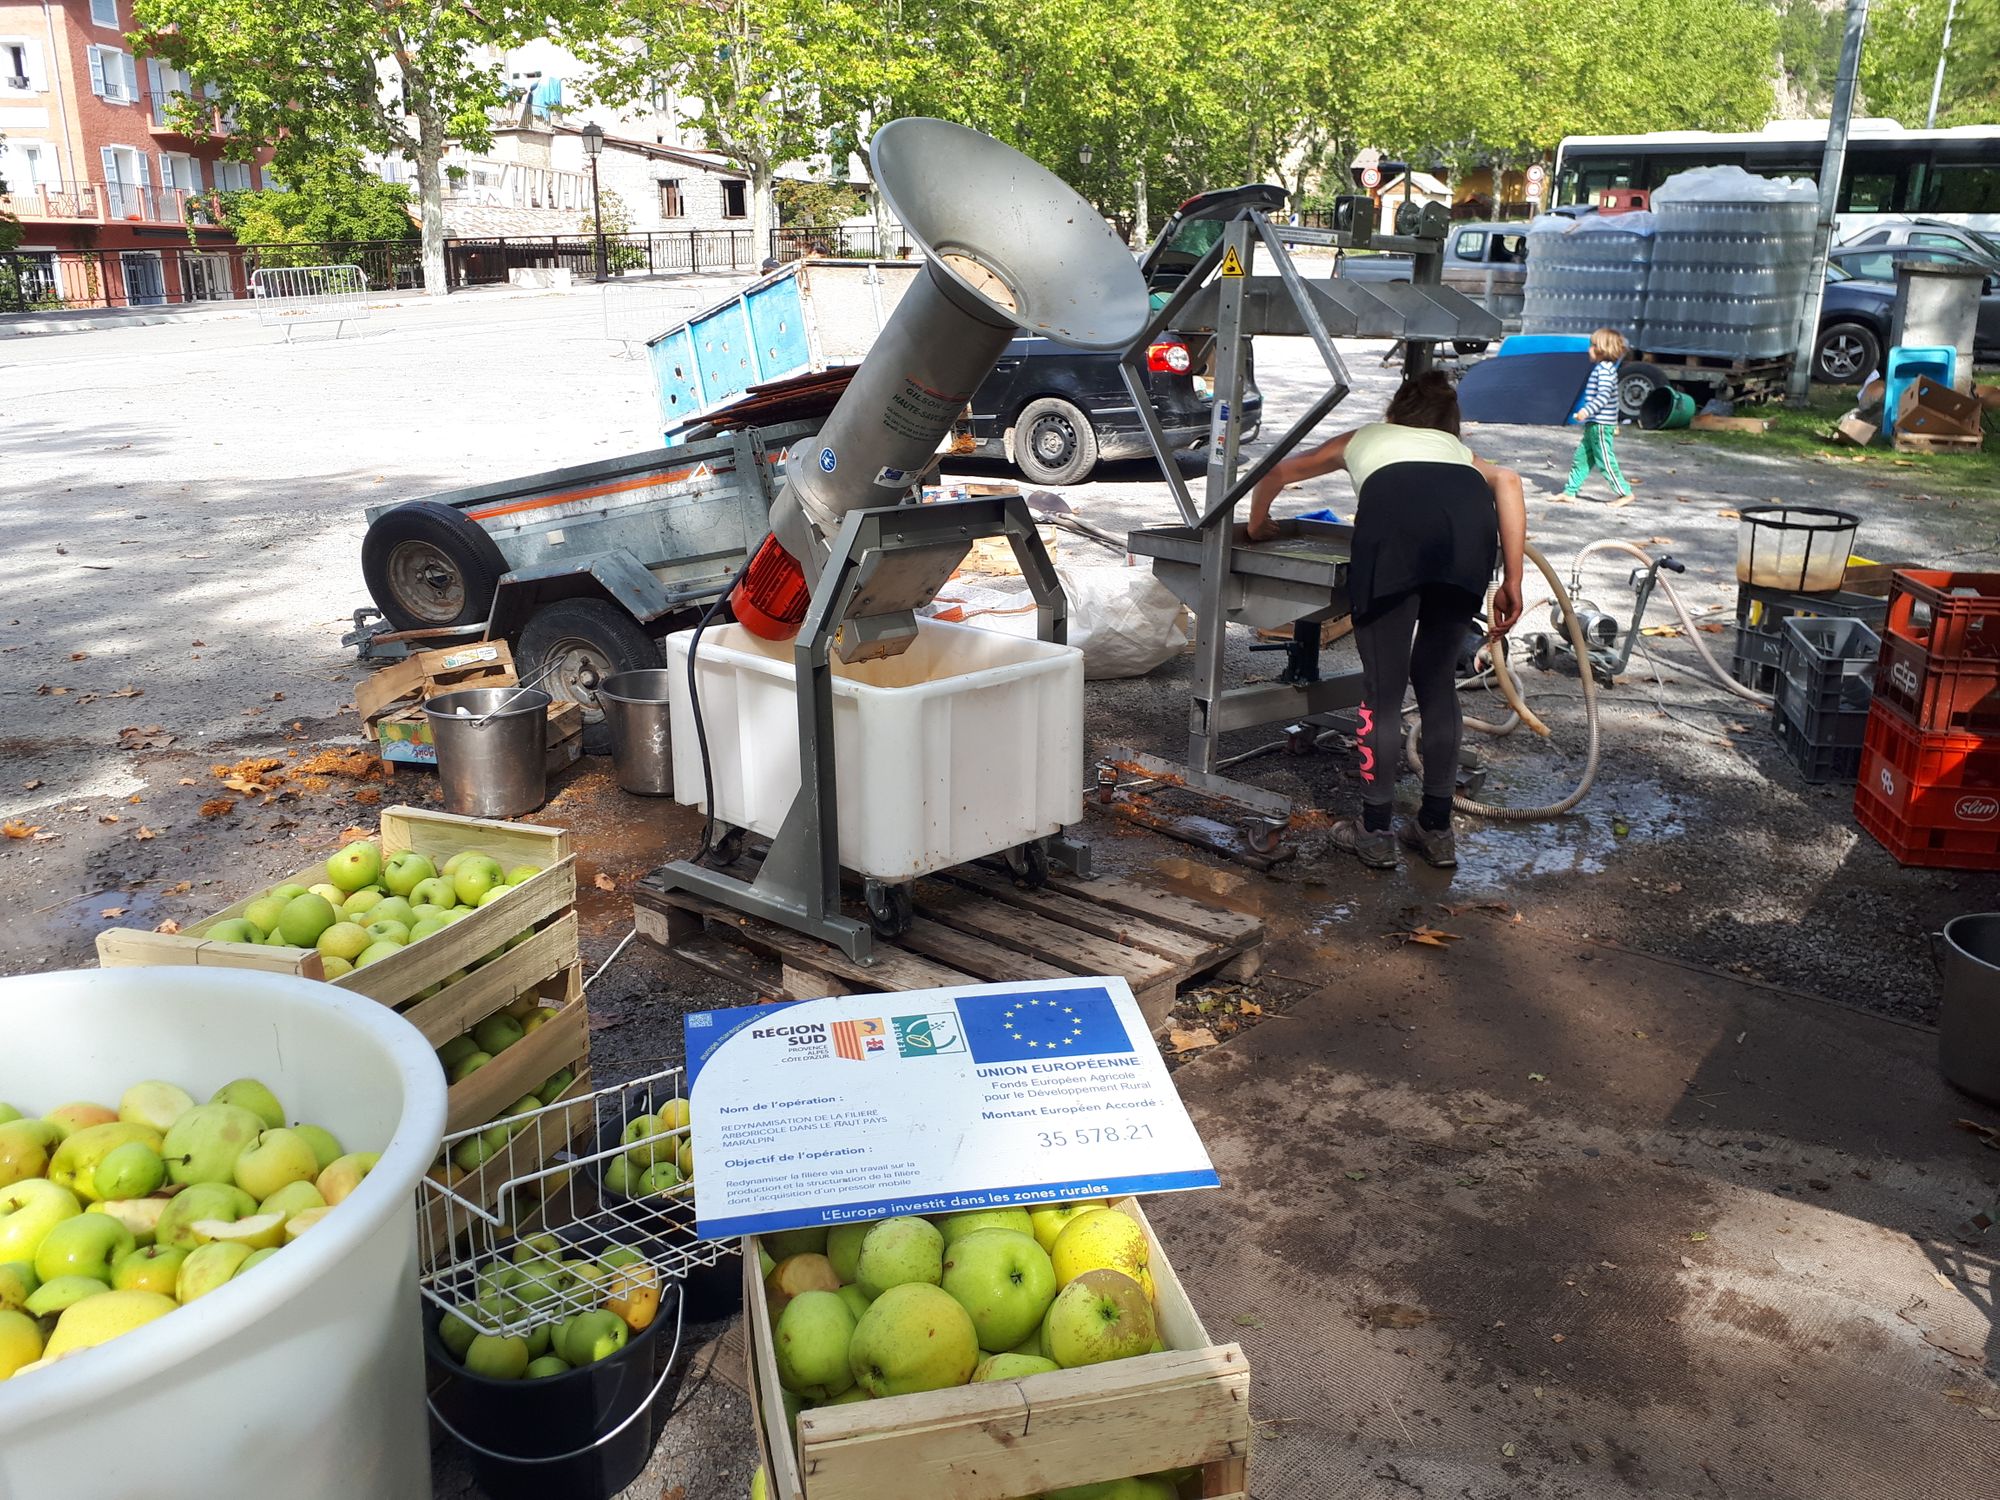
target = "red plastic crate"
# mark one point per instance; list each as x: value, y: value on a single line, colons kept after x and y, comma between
x: 1930, y: 799
x: 1925, y: 606
x: 1937, y: 697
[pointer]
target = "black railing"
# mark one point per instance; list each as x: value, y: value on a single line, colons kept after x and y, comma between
x: 856, y: 242
x: 486, y: 262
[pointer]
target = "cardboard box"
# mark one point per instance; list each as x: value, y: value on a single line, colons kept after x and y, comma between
x: 1931, y: 410
x: 1858, y: 430
x: 392, y: 702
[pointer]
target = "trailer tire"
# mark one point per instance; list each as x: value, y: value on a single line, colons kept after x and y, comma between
x: 582, y: 636
x: 428, y: 567
x: 1469, y: 346
x: 1054, y: 442
x: 1635, y: 383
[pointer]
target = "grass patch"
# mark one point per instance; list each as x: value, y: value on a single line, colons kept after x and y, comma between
x: 1809, y: 432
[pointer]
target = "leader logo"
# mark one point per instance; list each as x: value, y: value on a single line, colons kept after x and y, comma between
x: 929, y: 1036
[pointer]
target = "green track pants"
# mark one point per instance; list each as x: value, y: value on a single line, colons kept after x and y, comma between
x: 1594, y: 451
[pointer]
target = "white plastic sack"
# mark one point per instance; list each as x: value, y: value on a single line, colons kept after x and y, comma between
x: 1124, y: 620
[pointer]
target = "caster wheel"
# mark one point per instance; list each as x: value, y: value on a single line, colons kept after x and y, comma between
x: 1542, y: 651
x: 727, y: 849
x: 890, y: 908
x: 1264, y: 835
x: 1029, y: 864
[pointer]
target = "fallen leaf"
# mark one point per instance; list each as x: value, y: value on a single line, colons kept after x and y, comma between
x: 215, y: 807
x: 354, y: 835
x: 197, y: 643
x: 31, y: 783
x: 1557, y: 1338
x: 127, y: 692
x: 1250, y: 1007
x: 1620, y: 828
x: 133, y: 800
x: 112, y: 911
x: 169, y: 927
x: 1191, y: 1041
x: 1357, y: 1175
x: 1430, y: 937
x: 598, y: 1023
x: 180, y: 888
x: 1699, y: 1235
x: 277, y: 697
x: 1671, y: 632
x: 1709, y: 627
x: 144, y: 833
x: 1657, y: 541
x: 1459, y: 911
x: 14, y: 829
x: 187, y: 781
x: 1243, y: 1322
x: 1687, y: 1262
x: 604, y: 882
x: 1730, y: 515
x: 1506, y: 1450
x: 107, y: 817
x: 1944, y: 1281
x: 676, y: 1492
x: 1538, y: 1078
x: 1397, y: 1315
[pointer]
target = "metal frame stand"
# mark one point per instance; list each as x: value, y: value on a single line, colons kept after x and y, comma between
x: 883, y: 564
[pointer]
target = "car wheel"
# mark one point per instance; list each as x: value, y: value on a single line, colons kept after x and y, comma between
x: 581, y: 642
x: 1054, y: 442
x: 1635, y: 384
x: 427, y: 567
x: 1845, y: 352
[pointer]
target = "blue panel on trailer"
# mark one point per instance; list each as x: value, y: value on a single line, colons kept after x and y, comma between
x: 724, y: 354
x: 777, y: 320
x: 1544, y: 343
x: 674, y: 377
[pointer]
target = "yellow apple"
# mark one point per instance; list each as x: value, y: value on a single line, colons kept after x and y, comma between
x: 96, y: 1320
x: 20, y: 1342
x: 345, y: 1174
x: 1103, y: 1239
x: 305, y: 1219
x: 257, y: 1232
x: 1049, y: 1219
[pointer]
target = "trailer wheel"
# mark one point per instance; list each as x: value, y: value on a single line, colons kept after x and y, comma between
x: 1054, y: 442
x: 1469, y: 346
x: 427, y: 566
x: 581, y: 642
x: 1635, y: 383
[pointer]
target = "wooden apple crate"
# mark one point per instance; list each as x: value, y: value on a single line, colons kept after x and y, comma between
x: 1186, y: 1408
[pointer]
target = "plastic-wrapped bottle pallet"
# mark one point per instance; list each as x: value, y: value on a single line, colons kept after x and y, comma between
x: 1730, y: 256
x: 1586, y: 274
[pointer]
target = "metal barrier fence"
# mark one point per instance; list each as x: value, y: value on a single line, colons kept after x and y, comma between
x: 853, y: 242
x: 289, y: 296
x: 488, y: 262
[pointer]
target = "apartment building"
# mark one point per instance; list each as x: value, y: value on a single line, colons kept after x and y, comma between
x: 105, y: 187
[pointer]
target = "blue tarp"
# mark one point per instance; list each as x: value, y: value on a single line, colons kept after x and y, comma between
x: 1539, y: 390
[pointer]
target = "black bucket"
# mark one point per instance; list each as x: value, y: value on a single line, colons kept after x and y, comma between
x: 582, y: 1435
x: 1968, y: 960
x: 710, y: 1293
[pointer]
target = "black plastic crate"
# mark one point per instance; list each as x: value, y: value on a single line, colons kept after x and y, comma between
x: 1828, y: 728
x: 1819, y: 762
x: 1829, y: 665
x: 1759, y: 655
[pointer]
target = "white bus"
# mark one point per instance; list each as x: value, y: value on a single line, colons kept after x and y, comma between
x: 1891, y: 172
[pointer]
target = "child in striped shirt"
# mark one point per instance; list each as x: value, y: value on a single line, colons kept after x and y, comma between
x: 1599, y: 416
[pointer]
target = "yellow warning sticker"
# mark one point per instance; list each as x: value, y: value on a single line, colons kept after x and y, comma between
x: 1231, y: 265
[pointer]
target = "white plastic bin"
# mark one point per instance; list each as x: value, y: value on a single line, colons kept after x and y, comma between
x: 303, y: 1379
x: 968, y: 743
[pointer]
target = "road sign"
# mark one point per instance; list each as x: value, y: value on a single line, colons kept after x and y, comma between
x: 1370, y: 177
x: 1535, y: 175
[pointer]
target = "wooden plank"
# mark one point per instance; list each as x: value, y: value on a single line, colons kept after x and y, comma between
x: 1917, y: 442
x: 522, y: 1069
x: 447, y: 1219
x: 1221, y: 924
x: 1079, y: 952
x: 461, y: 1005
x: 1183, y: 950
x: 124, y: 947
x: 976, y: 956
x: 441, y: 835
x: 779, y: 1441
x: 809, y: 984
x: 1180, y: 1325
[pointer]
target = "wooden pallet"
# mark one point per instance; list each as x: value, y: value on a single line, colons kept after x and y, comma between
x: 1940, y: 442
x: 974, y: 925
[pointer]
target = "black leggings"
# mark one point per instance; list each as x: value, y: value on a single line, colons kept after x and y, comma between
x: 1416, y: 638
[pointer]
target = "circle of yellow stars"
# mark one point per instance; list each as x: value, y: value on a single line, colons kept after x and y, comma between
x: 1075, y: 1024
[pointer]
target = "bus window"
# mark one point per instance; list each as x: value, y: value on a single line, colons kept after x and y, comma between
x: 1969, y: 189
x: 1594, y: 177
x: 1870, y: 193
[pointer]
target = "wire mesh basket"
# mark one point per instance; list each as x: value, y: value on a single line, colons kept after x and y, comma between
x: 589, y: 1183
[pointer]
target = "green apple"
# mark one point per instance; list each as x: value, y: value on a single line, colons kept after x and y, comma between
x: 1003, y: 1280
x: 20, y: 1342
x: 8, y: 1113
x: 355, y: 865
x: 522, y: 874
x: 203, y: 1201
x: 954, y: 1227
x: 248, y: 1093
x: 855, y: 1298
x: 537, y: 1018
x: 17, y: 1284
x: 554, y: 1086
x: 914, y: 1337
x: 105, y: 1317
x: 1011, y: 1367
x: 154, y: 1103
x: 1101, y: 1315
x: 335, y: 968
x: 795, y: 1275
x: 279, y: 1158
x: 388, y: 930
x: 233, y: 930
x: 292, y: 1198
x: 263, y: 914
x: 457, y: 914
x: 405, y: 871
x: 65, y: 1292
x: 325, y: 1147
x: 306, y: 917
x: 537, y: 1246
x: 658, y: 1180
x: 257, y: 1258
x: 843, y: 1246
x: 494, y: 893
x: 547, y: 1365
x: 1142, y: 1487
x: 425, y: 909
x: 375, y: 952
x: 436, y: 891
x: 344, y: 1175
x: 286, y: 891
x: 475, y: 877
x: 345, y: 940
x: 898, y: 1252
x: 393, y: 909
x: 24, y: 1149
x: 496, y: 1034
x: 450, y: 866
x: 83, y: 1245
x: 467, y: 1065
x: 259, y: 1231
x: 206, y: 1268
x: 203, y: 1144
x: 811, y: 1343
x: 140, y: 1215
x: 28, y: 1211
x: 1050, y: 1218
x: 589, y: 1337
x: 457, y: 1334
x: 455, y: 1051
x: 620, y: 1178
x: 304, y: 1219
x: 498, y: 1356
x: 150, y: 1268
x: 760, y: 1487
x: 424, y: 928
x: 358, y: 906
x: 80, y: 1115
x: 129, y: 1171
x: 328, y: 892
x: 74, y: 1165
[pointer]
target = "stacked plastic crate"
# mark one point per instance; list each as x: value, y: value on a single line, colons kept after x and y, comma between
x: 1929, y: 787
x: 1823, y: 687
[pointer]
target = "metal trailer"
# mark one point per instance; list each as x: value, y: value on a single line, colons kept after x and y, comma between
x: 582, y: 569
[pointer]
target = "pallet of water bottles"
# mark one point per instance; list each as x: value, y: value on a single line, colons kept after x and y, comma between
x: 1929, y: 785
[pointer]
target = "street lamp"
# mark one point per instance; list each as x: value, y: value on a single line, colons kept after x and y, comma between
x: 1083, y: 155
x: 593, y: 143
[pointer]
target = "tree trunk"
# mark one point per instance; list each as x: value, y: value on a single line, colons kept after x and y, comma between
x: 1142, y: 220
x: 430, y: 197
x: 761, y: 179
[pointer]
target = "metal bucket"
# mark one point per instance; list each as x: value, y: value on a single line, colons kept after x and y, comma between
x: 1968, y: 960
x: 498, y: 768
x: 1666, y: 409
x: 635, y: 711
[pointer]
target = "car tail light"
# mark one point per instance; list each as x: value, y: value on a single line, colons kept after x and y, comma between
x: 1169, y: 356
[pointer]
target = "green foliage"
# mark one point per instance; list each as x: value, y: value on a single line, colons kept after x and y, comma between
x: 332, y: 200
x: 1809, y: 49
x: 618, y: 257
x: 1899, y: 61
x: 814, y: 205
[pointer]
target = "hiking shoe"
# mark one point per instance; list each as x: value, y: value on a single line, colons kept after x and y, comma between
x: 1438, y: 846
x: 1374, y: 848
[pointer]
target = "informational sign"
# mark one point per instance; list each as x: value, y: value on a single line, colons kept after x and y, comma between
x: 930, y: 1101
x: 1371, y: 178
x: 1232, y: 264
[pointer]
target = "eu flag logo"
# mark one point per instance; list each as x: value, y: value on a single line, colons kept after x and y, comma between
x: 1041, y: 1024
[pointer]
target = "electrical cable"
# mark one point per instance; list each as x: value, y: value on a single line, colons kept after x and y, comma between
x: 694, y: 700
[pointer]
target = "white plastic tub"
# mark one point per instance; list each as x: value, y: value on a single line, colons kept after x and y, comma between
x: 968, y: 743
x: 304, y: 1379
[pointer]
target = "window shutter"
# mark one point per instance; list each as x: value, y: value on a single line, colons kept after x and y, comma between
x: 193, y: 184
x: 154, y: 81
x: 130, y: 68
x: 96, y: 55
x: 167, y: 171
x: 144, y: 171
x: 110, y: 157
